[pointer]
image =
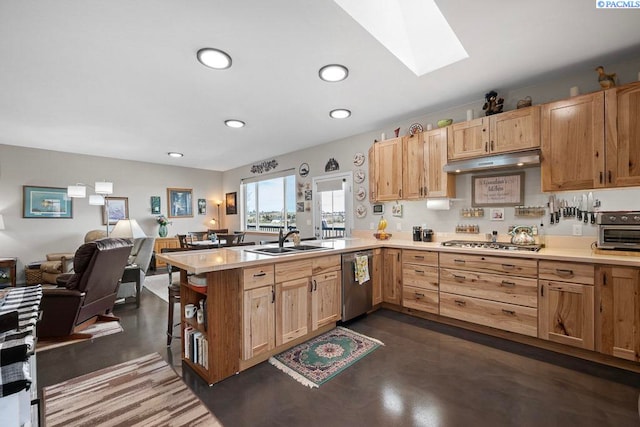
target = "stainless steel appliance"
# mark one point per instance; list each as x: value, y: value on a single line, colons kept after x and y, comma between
x: 490, y: 245
x: 357, y: 298
x: 619, y: 230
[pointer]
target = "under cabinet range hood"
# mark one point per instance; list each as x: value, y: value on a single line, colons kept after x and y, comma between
x: 501, y: 161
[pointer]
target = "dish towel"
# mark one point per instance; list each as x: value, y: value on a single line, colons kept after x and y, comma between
x: 361, y: 267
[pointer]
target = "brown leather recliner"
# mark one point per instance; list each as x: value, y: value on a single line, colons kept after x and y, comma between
x: 89, y: 292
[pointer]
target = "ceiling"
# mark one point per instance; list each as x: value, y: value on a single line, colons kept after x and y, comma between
x: 120, y: 79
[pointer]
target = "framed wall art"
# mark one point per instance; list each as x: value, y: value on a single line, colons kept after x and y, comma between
x: 202, y: 207
x: 46, y: 202
x: 498, y: 190
x: 231, y: 200
x: 179, y: 202
x: 155, y: 205
x: 115, y: 209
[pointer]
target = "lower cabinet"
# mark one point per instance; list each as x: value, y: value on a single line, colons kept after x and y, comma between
x: 376, y: 276
x: 164, y: 242
x: 326, y: 297
x: 420, y: 280
x: 618, y: 312
x: 292, y: 309
x: 391, y: 276
x: 566, y: 301
x: 259, y: 332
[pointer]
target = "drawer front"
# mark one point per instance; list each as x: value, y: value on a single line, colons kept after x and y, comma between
x: 420, y: 257
x: 293, y: 270
x: 508, y: 317
x: 420, y: 299
x: 508, y: 289
x: 256, y: 277
x: 567, y: 272
x: 491, y: 264
x: 325, y: 263
x: 420, y: 276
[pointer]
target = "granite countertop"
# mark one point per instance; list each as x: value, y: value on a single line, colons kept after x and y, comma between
x: 228, y: 258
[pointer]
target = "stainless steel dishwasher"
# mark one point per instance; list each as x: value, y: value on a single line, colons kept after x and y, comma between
x: 357, y: 298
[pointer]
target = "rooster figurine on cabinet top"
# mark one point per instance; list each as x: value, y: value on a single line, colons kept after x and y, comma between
x: 606, y: 80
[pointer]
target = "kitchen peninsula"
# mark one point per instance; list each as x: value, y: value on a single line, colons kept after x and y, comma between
x: 561, y: 299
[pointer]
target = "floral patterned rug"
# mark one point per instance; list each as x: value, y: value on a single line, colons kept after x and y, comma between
x: 318, y: 360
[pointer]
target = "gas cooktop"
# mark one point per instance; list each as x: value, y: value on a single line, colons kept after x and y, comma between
x: 490, y: 245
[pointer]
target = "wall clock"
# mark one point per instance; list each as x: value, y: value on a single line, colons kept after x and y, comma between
x: 303, y: 170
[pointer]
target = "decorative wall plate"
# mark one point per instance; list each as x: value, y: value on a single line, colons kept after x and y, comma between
x: 303, y: 170
x: 359, y: 176
x: 358, y: 159
x: 415, y: 128
x: 361, y: 211
x: 361, y: 193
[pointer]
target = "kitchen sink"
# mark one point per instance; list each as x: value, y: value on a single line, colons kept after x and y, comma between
x: 285, y: 250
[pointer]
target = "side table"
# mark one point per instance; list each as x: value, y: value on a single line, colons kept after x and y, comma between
x: 8, y: 271
x: 132, y: 275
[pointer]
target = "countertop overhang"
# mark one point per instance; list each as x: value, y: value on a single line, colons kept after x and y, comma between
x: 207, y: 260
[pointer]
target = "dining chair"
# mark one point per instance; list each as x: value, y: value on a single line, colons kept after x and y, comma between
x: 240, y: 236
x: 182, y: 238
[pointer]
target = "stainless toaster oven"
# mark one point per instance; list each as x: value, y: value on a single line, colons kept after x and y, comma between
x: 619, y: 230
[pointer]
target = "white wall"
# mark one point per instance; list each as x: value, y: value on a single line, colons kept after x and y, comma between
x: 31, y: 239
x: 415, y: 213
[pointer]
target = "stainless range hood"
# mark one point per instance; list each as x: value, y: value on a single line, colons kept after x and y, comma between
x: 501, y: 161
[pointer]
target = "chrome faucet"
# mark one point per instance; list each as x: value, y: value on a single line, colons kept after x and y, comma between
x: 282, y: 238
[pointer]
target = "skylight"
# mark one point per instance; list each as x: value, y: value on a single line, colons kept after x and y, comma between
x: 415, y: 31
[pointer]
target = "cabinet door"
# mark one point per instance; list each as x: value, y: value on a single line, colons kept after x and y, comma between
x: 388, y: 158
x: 413, y: 167
x: 258, y: 318
x: 623, y: 136
x: 566, y: 313
x: 292, y: 312
x: 326, y: 298
x: 164, y: 242
x: 377, y: 276
x: 372, y: 175
x: 515, y: 130
x: 437, y: 182
x: 573, y: 143
x: 468, y: 139
x: 618, y: 313
x: 392, y: 276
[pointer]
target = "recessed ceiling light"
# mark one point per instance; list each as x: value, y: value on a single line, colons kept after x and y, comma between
x: 232, y: 123
x: 333, y: 73
x: 174, y: 154
x: 214, y: 58
x: 340, y: 113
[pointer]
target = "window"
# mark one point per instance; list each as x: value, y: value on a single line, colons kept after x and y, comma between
x: 270, y: 204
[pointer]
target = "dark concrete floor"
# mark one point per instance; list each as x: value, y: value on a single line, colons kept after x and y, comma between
x: 425, y: 375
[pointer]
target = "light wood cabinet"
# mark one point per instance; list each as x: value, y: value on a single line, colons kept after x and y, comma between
x: 292, y: 309
x: 391, y: 276
x: 372, y: 174
x: 566, y: 304
x: 622, y: 137
x: 573, y: 143
x: 437, y: 182
x: 326, y: 297
x: 376, y: 276
x: 258, y: 319
x: 495, y: 291
x: 164, y: 242
x: 388, y: 170
x: 413, y: 184
x: 420, y: 281
x: 515, y: 130
x: 618, y: 312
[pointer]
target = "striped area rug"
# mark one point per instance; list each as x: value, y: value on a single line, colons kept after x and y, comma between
x: 141, y: 392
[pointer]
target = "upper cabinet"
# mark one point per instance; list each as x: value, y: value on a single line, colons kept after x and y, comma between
x: 622, y: 136
x: 387, y: 160
x: 413, y: 167
x: 592, y: 141
x: 501, y: 133
x: 437, y: 182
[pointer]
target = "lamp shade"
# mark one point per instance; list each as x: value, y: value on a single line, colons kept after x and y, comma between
x: 96, y: 200
x: 104, y: 187
x: 1, y: 223
x: 79, y: 191
x: 127, y: 229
